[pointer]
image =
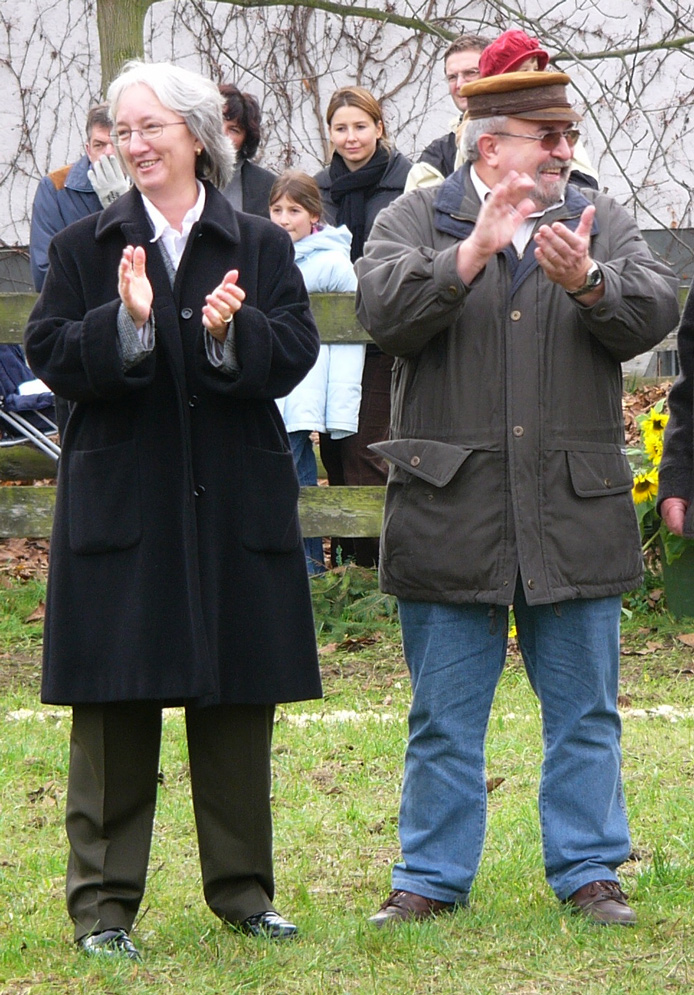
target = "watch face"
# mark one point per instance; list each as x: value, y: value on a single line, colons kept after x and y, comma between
x: 593, y: 276
x: 593, y: 279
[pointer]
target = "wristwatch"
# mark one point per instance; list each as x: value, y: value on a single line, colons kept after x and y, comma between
x: 592, y: 282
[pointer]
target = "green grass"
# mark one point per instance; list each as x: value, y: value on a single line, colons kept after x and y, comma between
x: 337, y: 769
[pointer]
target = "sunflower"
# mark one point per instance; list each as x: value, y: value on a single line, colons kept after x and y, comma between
x: 645, y: 486
x: 654, y: 422
x: 653, y: 444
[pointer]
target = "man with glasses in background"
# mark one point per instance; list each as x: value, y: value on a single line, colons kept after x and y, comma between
x: 75, y: 191
x: 70, y: 193
x: 461, y: 66
x: 510, y: 299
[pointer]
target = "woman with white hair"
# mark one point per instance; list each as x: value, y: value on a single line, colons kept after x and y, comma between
x: 177, y: 575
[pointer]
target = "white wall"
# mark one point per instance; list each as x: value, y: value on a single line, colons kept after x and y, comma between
x: 637, y: 125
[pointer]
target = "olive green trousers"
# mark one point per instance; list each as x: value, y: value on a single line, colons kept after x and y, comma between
x: 111, y: 798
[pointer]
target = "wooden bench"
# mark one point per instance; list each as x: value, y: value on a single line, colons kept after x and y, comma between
x: 27, y: 511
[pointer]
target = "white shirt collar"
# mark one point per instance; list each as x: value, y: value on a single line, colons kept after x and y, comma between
x: 174, y: 241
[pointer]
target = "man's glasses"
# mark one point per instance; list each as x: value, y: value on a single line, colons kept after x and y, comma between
x: 467, y: 74
x: 122, y: 136
x: 549, y: 140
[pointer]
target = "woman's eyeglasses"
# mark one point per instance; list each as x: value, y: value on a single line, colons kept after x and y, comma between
x: 121, y: 136
x: 549, y: 140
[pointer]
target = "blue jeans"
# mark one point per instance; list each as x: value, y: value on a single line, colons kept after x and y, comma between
x: 307, y: 472
x: 456, y: 654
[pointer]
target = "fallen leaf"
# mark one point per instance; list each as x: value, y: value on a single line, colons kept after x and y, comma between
x: 493, y: 783
x: 328, y: 648
x: 38, y: 614
x: 687, y: 638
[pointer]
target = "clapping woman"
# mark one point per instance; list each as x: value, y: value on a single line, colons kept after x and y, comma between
x: 177, y: 575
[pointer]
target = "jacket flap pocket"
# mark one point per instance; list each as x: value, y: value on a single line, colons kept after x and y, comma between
x: 435, y: 462
x: 599, y: 474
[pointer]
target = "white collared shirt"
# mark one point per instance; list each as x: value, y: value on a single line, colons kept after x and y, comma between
x: 525, y: 231
x: 174, y: 244
x: 174, y: 241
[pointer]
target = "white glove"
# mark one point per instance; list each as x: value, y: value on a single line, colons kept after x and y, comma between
x: 108, y: 179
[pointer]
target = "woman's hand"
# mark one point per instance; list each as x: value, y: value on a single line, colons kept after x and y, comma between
x: 222, y: 304
x: 672, y: 511
x: 134, y: 287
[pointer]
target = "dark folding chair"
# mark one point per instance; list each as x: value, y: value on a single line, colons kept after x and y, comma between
x: 25, y: 417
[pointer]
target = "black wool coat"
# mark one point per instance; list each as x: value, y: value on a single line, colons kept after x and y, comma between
x: 177, y: 571
x: 390, y: 186
x: 256, y: 184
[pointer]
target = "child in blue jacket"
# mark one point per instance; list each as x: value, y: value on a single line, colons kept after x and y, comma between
x: 328, y: 398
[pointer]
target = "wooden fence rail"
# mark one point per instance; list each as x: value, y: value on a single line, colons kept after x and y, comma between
x: 27, y: 510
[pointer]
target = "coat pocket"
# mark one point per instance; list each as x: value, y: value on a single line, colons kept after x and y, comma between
x: 105, y: 513
x: 597, y: 474
x: 270, y: 502
x: 431, y: 461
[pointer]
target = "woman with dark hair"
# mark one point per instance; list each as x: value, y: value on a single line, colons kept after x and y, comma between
x: 249, y: 189
x: 172, y: 322
x: 364, y: 176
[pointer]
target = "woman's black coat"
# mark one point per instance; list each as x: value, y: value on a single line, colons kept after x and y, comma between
x: 256, y: 184
x: 390, y: 186
x: 177, y: 570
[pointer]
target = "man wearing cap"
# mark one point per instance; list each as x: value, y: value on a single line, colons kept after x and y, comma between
x: 509, y: 300
x: 515, y: 51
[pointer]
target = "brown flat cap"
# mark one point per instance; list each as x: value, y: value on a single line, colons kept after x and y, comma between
x: 531, y: 96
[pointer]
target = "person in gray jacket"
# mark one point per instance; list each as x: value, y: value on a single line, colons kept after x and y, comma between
x: 509, y: 300
x: 76, y: 191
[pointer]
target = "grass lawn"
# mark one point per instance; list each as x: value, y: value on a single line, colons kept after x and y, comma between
x: 337, y: 769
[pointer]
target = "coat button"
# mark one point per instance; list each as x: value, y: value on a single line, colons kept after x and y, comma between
x: 193, y: 401
x: 453, y: 291
x: 199, y: 490
x: 187, y: 312
x: 515, y: 315
x: 607, y: 482
x: 531, y: 584
x: 518, y: 431
x: 415, y: 461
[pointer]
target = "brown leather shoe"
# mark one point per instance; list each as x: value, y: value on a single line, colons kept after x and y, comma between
x: 603, y: 902
x: 403, y: 906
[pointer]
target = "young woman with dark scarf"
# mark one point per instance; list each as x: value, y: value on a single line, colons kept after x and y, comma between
x: 364, y: 176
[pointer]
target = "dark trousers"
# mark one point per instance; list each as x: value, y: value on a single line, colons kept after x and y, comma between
x: 111, y: 797
x: 349, y: 462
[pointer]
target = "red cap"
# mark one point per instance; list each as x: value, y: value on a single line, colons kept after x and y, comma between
x: 509, y: 51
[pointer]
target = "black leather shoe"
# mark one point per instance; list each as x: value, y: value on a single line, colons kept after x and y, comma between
x: 109, y: 943
x: 269, y: 924
x: 604, y: 902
